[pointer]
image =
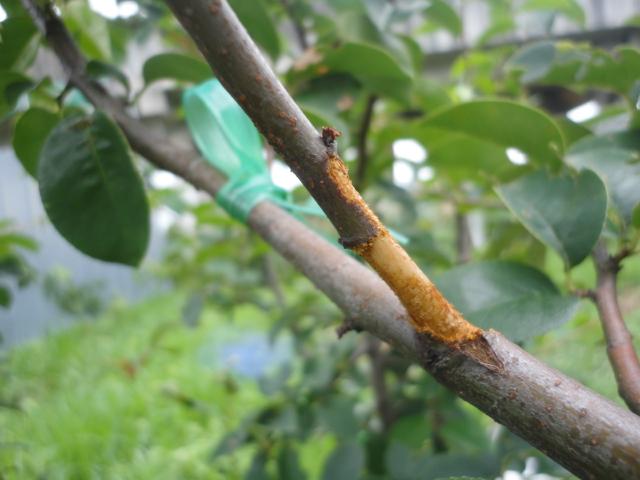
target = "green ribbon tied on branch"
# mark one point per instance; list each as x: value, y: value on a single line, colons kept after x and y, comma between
x: 229, y: 141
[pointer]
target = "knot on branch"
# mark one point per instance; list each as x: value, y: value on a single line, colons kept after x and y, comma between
x: 348, y: 324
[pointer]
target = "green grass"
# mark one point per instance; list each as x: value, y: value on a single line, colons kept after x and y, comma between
x: 126, y: 397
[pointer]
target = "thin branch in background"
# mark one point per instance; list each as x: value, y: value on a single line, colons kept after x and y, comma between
x: 620, y: 349
x: 272, y: 280
x: 363, y: 135
x: 298, y: 27
x: 378, y: 382
x: 464, y: 245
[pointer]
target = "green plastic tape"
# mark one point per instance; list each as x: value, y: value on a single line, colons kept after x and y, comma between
x: 229, y: 141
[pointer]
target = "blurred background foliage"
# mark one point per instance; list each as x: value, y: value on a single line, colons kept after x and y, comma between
x: 502, y: 160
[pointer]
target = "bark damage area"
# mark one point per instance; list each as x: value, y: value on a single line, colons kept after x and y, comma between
x: 430, y: 313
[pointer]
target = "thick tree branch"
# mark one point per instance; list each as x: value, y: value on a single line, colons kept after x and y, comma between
x: 363, y: 135
x: 243, y: 71
x: 620, y: 349
x: 586, y: 433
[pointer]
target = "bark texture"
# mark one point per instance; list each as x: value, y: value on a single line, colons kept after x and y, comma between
x: 586, y: 433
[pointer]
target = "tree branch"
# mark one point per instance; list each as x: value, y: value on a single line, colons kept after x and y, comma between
x: 379, y: 383
x: 298, y: 28
x: 464, y: 245
x: 620, y: 349
x: 363, y: 134
x: 584, y: 432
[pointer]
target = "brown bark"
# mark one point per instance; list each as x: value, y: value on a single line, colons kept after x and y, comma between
x: 620, y: 349
x: 586, y: 433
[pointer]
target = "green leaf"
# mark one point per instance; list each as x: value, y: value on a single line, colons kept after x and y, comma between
x: 572, y: 131
x: 374, y: 67
x: 515, y: 299
x: 30, y: 133
x: 256, y: 19
x: 175, y: 66
x: 258, y: 468
x: 5, y: 296
x: 569, y: 8
x: 442, y: 14
x: 535, y: 60
x: 289, y: 465
x: 97, y: 69
x: 12, y: 86
x: 616, y: 158
x: 635, y: 218
x: 91, y: 190
x: 346, y: 462
x: 564, y: 212
x: 88, y: 28
x: 503, y: 124
x: 18, y: 43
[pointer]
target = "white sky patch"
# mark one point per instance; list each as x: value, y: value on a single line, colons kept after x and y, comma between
x: 112, y: 9
x: 584, y: 112
x: 350, y: 154
x: 403, y: 174
x: 425, y: 174
x: 517, y: 157
x: 3, y: 14
x: 164, y: 217
x: 410, y: 150
x: 162, y: 179
x: 283, y: 177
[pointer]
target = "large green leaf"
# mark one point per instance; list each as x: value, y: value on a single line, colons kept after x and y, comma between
x: 345, y: 463
x: 373, y: 66
x: 175, y: 66
x: 616, y: 158
x: 31, y: 131
x: 91, y: 190
x: 502, y: 124
x: 256, y: 19
x: 566, y: 213
x: 18, y: 43
x: 515, y: 299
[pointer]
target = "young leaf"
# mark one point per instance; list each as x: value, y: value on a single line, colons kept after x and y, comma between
x: 91, y: 190
x: 518, y: 300
x: 289, y: 465
x: 175, y: 66
x: 31, y: 131
x: 564, y: 212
